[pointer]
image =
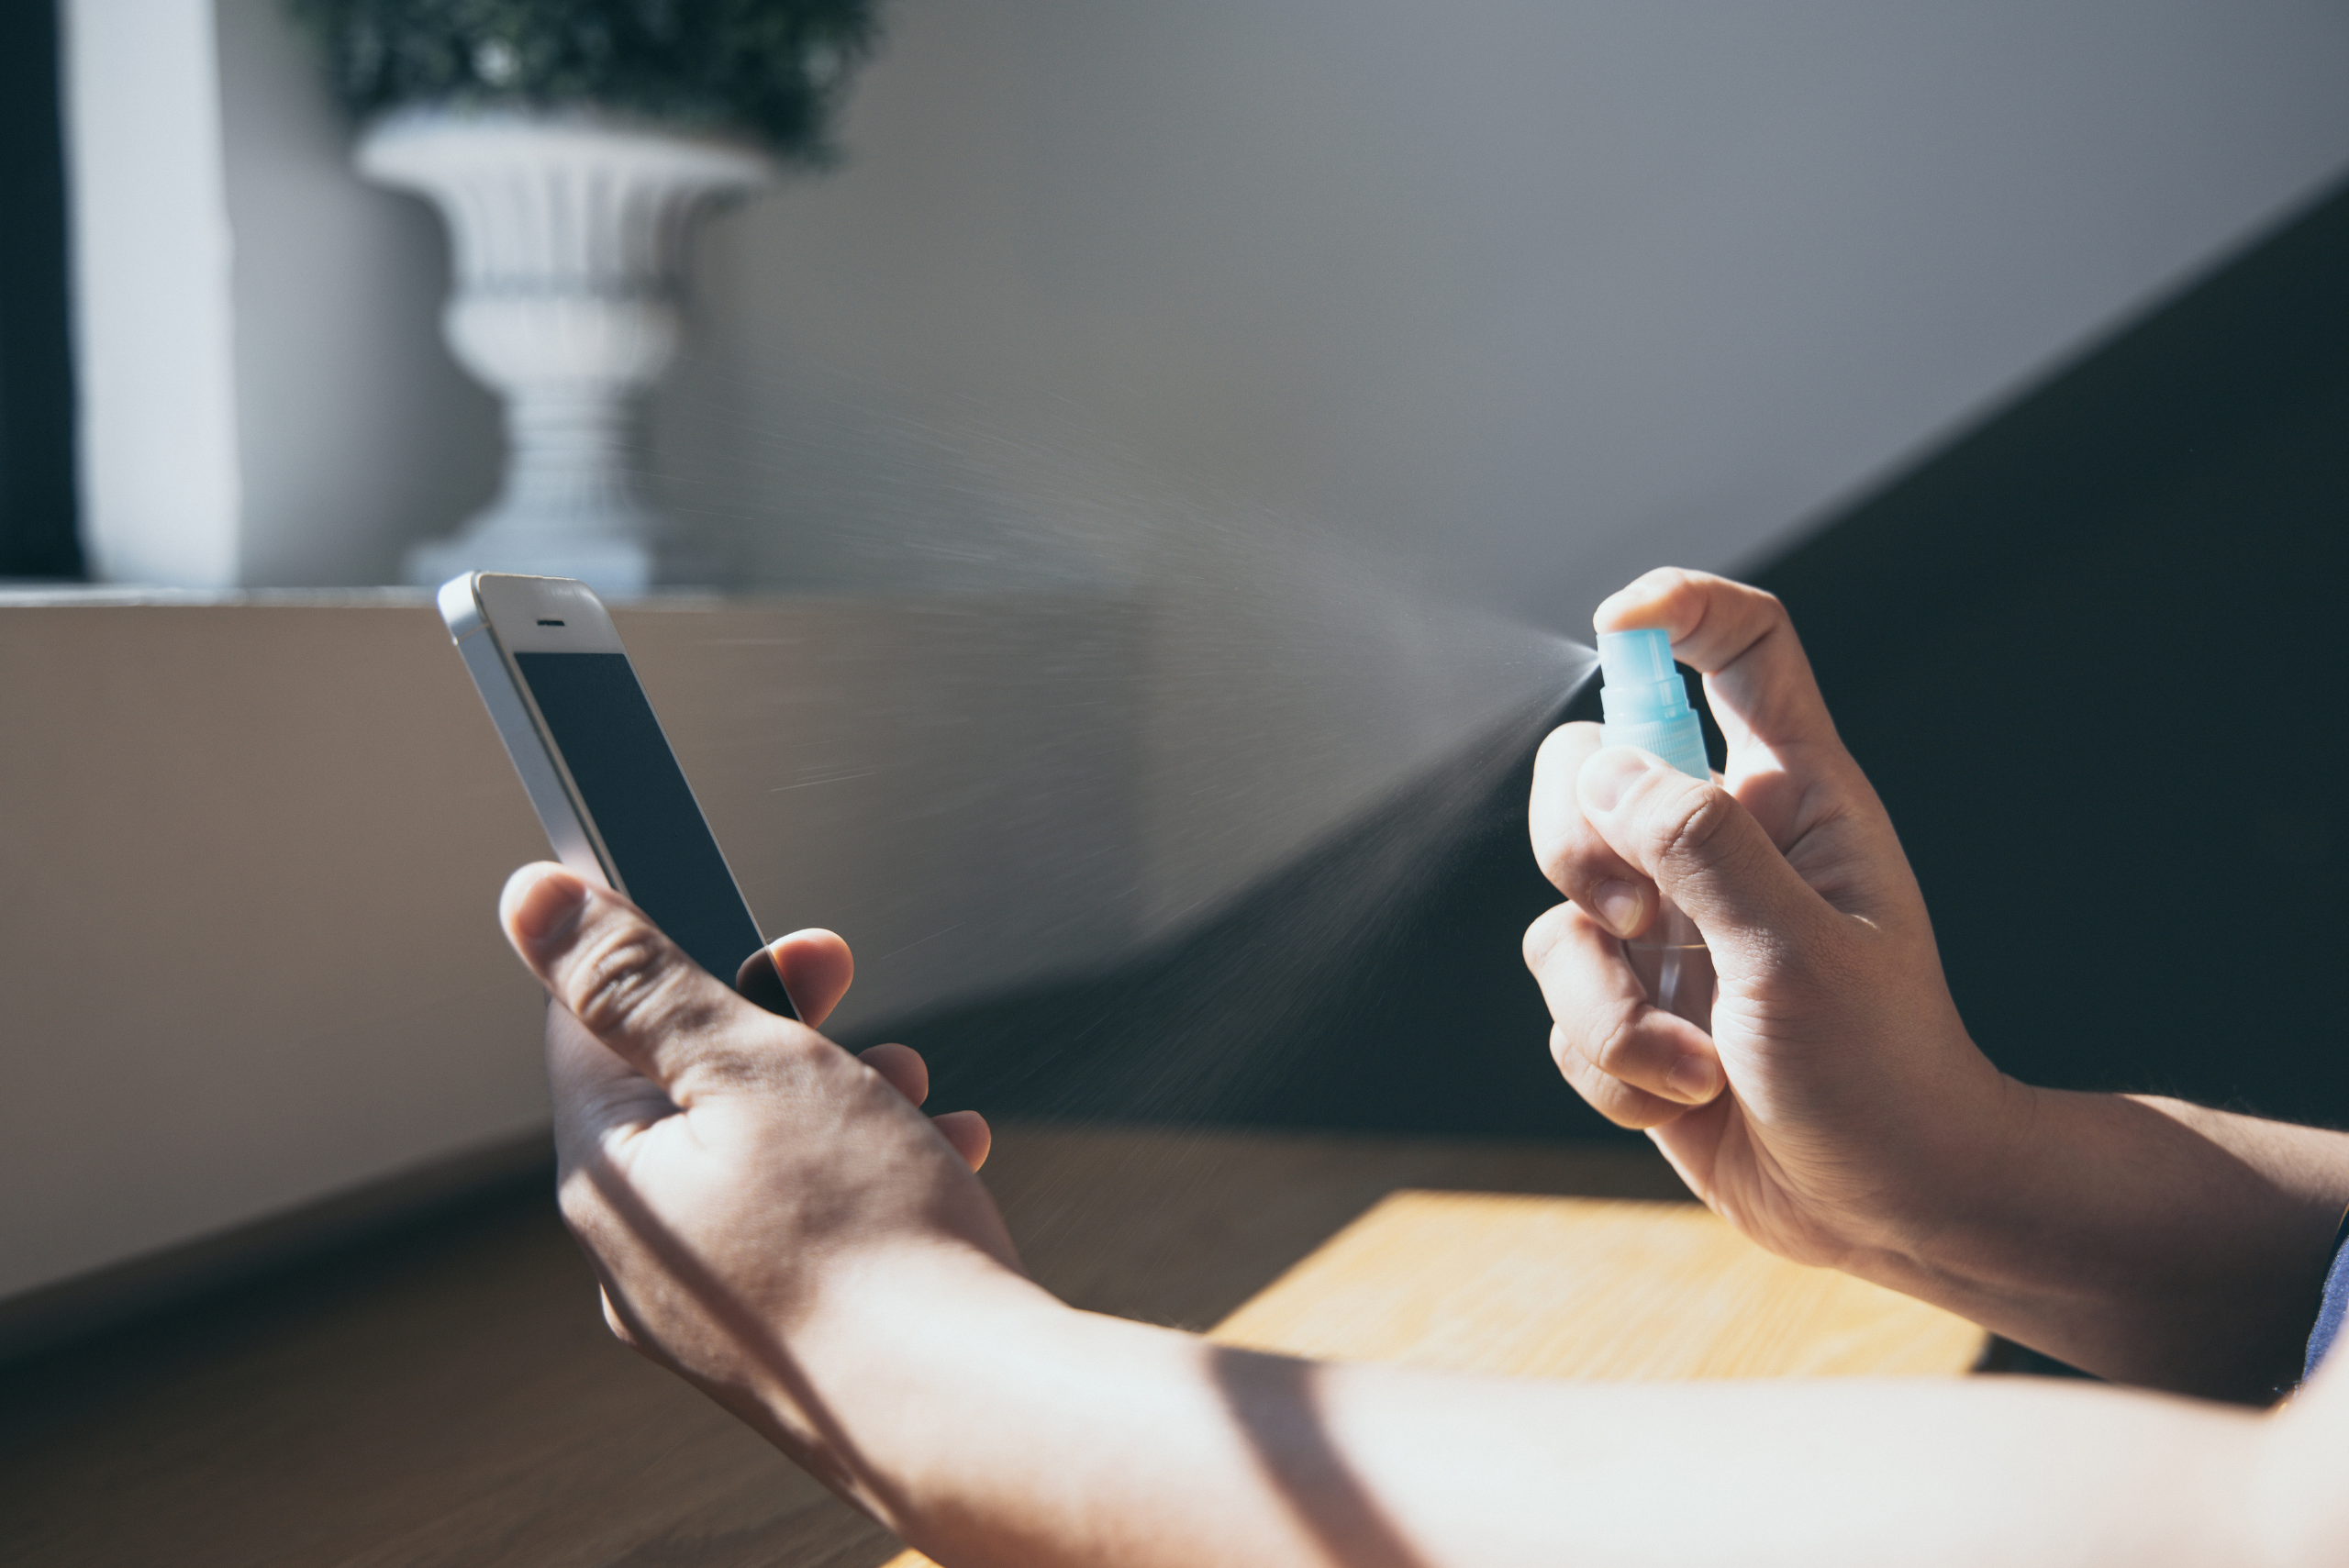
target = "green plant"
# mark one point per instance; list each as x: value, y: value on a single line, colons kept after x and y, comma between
x: 772, y: 70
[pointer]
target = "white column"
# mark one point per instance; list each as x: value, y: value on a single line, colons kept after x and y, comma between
x: 153, y: 324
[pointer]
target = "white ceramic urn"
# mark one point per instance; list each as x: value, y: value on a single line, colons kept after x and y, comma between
x: 569, y: 231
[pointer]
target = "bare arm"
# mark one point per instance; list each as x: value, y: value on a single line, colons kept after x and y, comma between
x: 2148, y: 1240
x: 1111, y: 1443
x: 1837, y: 1111
x: 774, y: 1220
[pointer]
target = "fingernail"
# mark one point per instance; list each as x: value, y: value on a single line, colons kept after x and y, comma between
x: 1609, y: 773
x: 1619, y: 907
x: 549, y: 905
x: 1693, y: 1079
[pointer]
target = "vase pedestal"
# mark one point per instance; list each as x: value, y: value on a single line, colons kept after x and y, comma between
x: 569, y: 237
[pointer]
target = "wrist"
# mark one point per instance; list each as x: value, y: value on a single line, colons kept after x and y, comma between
x: 1013, y: 1423
x: 883, y: 1379
x: 1966, y: 1162
x: 1996, y: 1235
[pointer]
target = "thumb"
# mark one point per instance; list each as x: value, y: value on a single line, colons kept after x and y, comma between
x: 1702, y: 848
x: 630, y: 987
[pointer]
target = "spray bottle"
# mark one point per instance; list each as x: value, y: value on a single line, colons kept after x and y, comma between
x: 1646, y: 704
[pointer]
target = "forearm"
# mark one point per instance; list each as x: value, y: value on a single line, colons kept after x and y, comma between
x: 1036, y: 1435
x: 2149, y: 1241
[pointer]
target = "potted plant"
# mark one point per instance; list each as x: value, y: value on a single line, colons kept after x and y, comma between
x: 570, y: 144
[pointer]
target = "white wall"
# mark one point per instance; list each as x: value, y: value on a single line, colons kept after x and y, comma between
x: 154, y: 330
x: 254, y: 848
x: 1527, y: 295
x: 355, y: 429
x: 1521, y: 295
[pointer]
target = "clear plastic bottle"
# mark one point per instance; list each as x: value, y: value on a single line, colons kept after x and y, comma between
x: 1671, y: 961
x: 1646, y: 704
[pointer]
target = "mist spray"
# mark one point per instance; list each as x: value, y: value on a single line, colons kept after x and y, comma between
x: 1646, y: 704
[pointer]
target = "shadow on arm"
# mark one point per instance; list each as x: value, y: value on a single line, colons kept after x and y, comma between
x: 825, y: 1450
x: 1274, y: 1402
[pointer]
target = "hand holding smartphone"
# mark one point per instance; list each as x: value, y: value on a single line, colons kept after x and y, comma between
x: 550, y: 664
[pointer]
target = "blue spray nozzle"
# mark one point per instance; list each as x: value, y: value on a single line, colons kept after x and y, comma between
x: 1642, y: 684
x: 1646, y: 701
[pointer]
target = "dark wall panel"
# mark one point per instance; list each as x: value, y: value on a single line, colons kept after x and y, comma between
x: 2089, y: 657
x: 37, y: 494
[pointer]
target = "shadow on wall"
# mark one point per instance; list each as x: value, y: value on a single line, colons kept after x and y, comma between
x: 2085, y: 655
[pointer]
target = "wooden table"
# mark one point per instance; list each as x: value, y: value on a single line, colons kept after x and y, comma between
x: 448, y: 1396
x: 1592, y: 1288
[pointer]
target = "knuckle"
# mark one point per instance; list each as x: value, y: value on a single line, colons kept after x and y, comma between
x: 1575, y: 1066
x: 1542, y: 936
x: 1749, y: 599
x: 1684, y: 832
x: 1615, y: 1041
x: 1550, y: 860
x: 1578, y: 858
x: 618, y: 976
x: 1660, y: 580
x: 1561, y: 869
x: 1616, y: 1101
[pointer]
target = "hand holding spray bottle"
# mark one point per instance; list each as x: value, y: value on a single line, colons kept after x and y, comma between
x: 1646, y: 704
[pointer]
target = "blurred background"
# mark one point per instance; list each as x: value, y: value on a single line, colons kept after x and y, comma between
x: 1155, y: 474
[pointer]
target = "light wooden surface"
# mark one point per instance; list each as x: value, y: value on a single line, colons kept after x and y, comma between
x: 1586, y: 1288
x: 1567, y: 1287
x: 449, y: 1396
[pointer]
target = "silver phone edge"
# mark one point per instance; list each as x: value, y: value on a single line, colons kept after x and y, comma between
x: 527, y: 746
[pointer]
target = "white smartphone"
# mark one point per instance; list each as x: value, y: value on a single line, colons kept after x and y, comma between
x: 550, y: 664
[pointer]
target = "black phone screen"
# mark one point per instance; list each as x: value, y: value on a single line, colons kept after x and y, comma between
x: 632, y: 785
